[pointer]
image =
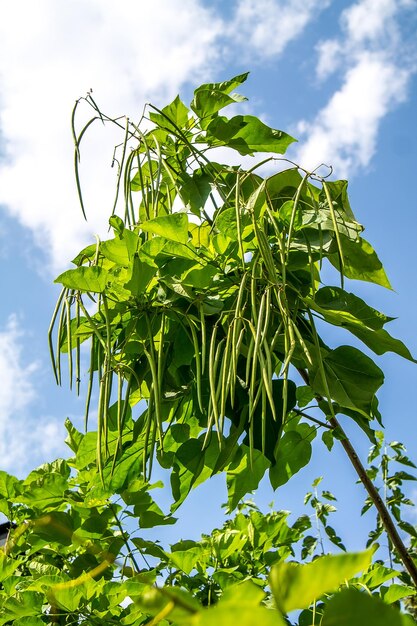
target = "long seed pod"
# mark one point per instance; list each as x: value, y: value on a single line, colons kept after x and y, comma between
x: 266, y: 254
x: 224, y: 378
x: 77, y: 348
x: 216, y: 413
x: 95, y: 345
x: 203, y: 337
x: 69, y: 338
x: 239, y: 221
x: 212, y: 376
x: 233, y: 374
x: 336, y: 231
x: 147, y: 434
x: 59, y: 335
x: 198, y: 368
x: 160, y: 359
x: 100, y: 425
x: 150, y: 355
x: 50, y: 337
x: 256, y: 353
x: 94, y: 326
x: 237, y: 325
x: 144, y: 197
x: 294, y: 210
x: 121, y: 165
x: 127, y: 190
x: 263, y: 401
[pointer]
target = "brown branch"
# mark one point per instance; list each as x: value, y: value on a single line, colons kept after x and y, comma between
x: 379, y: 504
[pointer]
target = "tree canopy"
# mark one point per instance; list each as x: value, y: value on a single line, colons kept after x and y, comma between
x: 206, y: 313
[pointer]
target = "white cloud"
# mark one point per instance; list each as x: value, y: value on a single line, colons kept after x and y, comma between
x: 344, y: 133
x: 377, y: 67
x: 25, y: 440
x: 16, y: 390
x: 128, y: 52
x: 268, y: 26
x: 21, y: 438
x: 371, y: 20
x: 330, y: 55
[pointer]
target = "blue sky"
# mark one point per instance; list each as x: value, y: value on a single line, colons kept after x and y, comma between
x: 341, y: 76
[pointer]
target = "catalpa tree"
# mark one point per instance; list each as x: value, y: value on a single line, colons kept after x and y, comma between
x: 206, y: 317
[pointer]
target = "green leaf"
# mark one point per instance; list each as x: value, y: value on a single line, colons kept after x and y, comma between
x: 8, y: 485
x: 265, y: 429
x: 297, y: 586
x: 173, y: 227
x: 8, y: 565
x: 352, y: 377
x: 172, y: 117
x: 351, y: 606
x: 142, y: 274
x: 93, y: 279
x: 305, y: 395
x: 360, y: 261
x: 69, y: 598
x: 46, y: 491
x: 29, y: 621
x: 56, y: 526
x: 74, y: 436
x: 185, y: 560
x: 247, y: 134
x: 244, y: 474
x: 292, y: 453
x: 347, y: 307
x: 195, y: 190
x: 117, y: 224
x: 22, y: 604
x: 396, y: 592
x: 200, y: 277
x: 211, y: 97
x: 192, y: 466
x: 344, y: 309
x: 239, y: 604
x: 115, y: 250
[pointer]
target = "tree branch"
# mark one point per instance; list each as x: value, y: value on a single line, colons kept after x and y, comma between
x: 379, y: 504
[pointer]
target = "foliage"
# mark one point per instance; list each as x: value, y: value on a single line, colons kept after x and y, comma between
x: 202, y: 312
x: 71, y: 560
x: 209, y: 294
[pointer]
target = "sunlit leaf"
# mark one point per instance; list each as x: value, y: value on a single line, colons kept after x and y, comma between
x: 352, y: 378
x: 244, y: 474
x: 351, y: 606
x: 247, y: 134
x: 296, y: 586
x: 360, y: 261
x: 173, y: 227
x: 93, y: 279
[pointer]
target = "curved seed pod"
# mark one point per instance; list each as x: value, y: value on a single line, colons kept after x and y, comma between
x: 50, y: 339
x: 127, y: 190
x: 237, y: 326
x: 69, y: 337
x: 239, y: 221
x: 61, y: 321
x: 256, y: 352
x: 336, y: 230
x: 294, y: 210
x: 203, y: 337
x: 197, y: 363
x: 77, y: 348
x: 95, y: 345
x: 224, y: 378
x: 150, y: 355
x: 121, y: 165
